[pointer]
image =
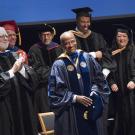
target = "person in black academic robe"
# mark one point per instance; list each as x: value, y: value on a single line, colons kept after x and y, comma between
x: 92, y: 42
x: 41, y: 56
x: 17, y: 84
x: 95, y: 45
x: 5, y: 119
x: 75, y: 76
x: 122, y: 83
x: 13, y: 33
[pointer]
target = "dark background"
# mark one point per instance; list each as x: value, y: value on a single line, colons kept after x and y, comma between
x: 29, y: 32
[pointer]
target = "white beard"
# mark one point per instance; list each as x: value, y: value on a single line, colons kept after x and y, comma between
x: 47, y: 42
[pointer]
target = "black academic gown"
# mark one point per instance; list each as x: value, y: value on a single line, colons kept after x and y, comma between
x: 41, y: 57
x: 5, y: 115
x: 123, y: 101
x: 17, y: 115
x: 95, y: 42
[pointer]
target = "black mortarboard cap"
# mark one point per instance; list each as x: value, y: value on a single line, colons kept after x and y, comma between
x: 46, y: 28
x: 124, y: 29
x: 85, y: 11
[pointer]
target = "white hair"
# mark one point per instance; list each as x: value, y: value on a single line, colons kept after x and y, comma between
x: 2, y: 31
x: 3, y: 44
x: 65, y: 35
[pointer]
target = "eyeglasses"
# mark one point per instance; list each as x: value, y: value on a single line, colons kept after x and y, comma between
x: 3, y: 36
x: 12, y: 35
x: 48, y: 34
x: 72, y: 41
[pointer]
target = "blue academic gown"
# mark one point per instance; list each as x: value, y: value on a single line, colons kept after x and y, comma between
x: 67, y: 79
x: 13, y: 49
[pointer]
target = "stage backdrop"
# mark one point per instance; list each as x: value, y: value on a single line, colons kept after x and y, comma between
x: 51, y: 10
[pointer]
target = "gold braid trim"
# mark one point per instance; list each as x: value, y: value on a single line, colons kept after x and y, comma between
x: 118, y: 51
x: 80, y: 34
x: 65, y: 55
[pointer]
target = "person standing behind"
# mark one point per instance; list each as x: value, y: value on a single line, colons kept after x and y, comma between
x: 122, y: 82
x: 13, y: 32
x: 75, y: 79
x: 17, y: 83
x: 41, y: 56
x: 92, y: 42
x: 95, y: 45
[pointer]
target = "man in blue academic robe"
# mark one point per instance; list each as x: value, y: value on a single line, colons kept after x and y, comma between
x: 75, y: 89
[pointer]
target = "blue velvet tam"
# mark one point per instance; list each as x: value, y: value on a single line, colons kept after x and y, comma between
x: 93, y: 112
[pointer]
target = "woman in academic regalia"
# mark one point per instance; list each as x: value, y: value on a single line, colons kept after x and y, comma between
x: 122, y: 82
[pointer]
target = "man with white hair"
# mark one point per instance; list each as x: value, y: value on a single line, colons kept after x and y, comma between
x: 3, y: 40
x: 14, y: 37
x: 16, y: 110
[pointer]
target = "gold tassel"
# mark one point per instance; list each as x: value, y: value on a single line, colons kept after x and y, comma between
x: 19, y: 38
x: 117, y: 51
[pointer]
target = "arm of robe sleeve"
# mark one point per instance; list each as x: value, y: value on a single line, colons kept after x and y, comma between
x: 132, y: 64
x: 100, y: 85
x: 96, y: 74
x: 32, y: 77
x: 43, y: 71
x: 107, y: 60
x: 5, y: 85
x: 111, y: 79
x: 59, y: 50
x: 60, y: 95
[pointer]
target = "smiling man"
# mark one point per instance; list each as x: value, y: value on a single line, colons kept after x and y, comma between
x: 76, y: 80
x: 41, y: 56
x: 90, y: 41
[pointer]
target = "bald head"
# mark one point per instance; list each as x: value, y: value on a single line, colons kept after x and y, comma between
x: 68, y: 41
x: 66, y: 35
